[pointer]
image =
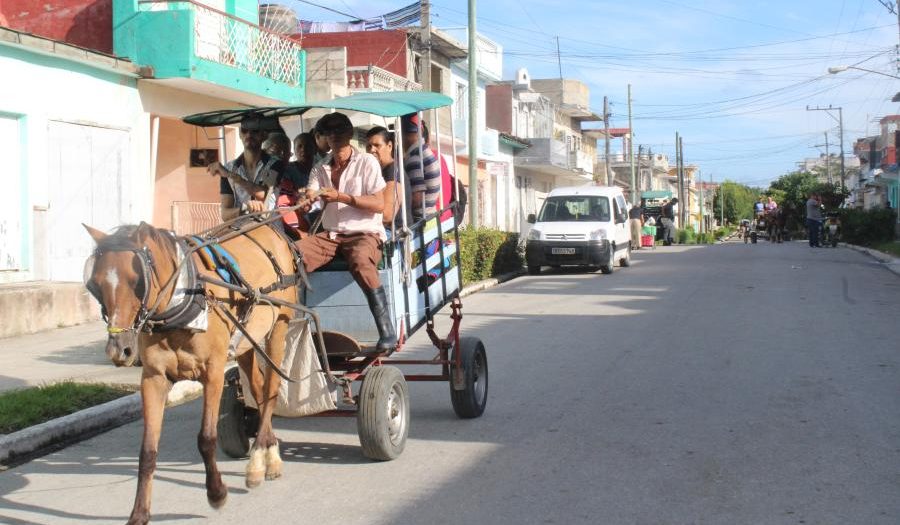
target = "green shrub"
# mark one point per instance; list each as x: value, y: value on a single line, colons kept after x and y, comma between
x: 686, y: 236
x: 867, y: 227
x: 486, y: 253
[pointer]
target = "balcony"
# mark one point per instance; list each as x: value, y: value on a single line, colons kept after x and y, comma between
x: 204, y: 50
x: 373, y: 78
x: 552, y: 156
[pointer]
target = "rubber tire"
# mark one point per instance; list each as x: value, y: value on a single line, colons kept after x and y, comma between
x: 470, y: 402
x: 834, y: 242
x: 611, y: 265
x: 753, y: 238
x: 233, y: 438
x: 625, y: 262
x: 534, y: 270
x: 373, y: 418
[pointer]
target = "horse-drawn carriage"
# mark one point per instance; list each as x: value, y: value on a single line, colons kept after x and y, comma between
x: 277, y: 322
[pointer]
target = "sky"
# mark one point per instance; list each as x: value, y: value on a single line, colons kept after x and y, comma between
x: 733, y: 78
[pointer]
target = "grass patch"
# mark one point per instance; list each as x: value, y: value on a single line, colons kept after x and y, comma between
x: 30, y: 406
x: 891, y: 247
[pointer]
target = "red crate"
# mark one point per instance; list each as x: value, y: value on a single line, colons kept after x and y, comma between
x: 646, y: 241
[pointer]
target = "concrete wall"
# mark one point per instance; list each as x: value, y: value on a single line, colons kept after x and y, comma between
x: 30, y: 307
x: 46, y: 93
x: 499, y: 107
x: 385, y: 49
x: 84, y: 23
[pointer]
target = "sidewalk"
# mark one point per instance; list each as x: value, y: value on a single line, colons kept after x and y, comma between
x: 75, y: 352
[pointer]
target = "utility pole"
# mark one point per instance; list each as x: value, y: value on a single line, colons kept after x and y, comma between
x: 634, y: 192
x: 700, y: 187
x: 840, y: 121
x: 639, y: 168
x: 558, y: 58
x: 722, y: 204
x: 678, y: 175
x: 473, y: 119
x: 425, y: 6
x: 684, y: 203
x: 609, y: 178
x: 827, y: 159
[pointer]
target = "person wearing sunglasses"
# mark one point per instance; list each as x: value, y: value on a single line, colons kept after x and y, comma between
x: 248, y: 183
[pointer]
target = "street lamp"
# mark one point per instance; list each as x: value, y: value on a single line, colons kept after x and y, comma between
x: 840, y: 69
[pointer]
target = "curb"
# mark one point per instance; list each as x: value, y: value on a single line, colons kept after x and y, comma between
x: 890, y: 262
x: 20, y: 446
x: 489, y: 283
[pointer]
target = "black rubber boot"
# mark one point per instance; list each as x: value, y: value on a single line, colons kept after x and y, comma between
x: 387, y: 339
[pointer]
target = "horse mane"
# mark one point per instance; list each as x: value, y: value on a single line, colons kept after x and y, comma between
x: 129, y: 237
x: 119, y: 240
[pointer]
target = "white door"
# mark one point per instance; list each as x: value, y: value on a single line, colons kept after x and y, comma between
x: 11, y: 198
x: 86, y: 176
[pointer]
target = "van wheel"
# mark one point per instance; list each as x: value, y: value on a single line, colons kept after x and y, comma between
x: 611, y: 264
x: 625, y: 262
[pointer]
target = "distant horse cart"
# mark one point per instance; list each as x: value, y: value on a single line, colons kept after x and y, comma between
x: 186, y: 306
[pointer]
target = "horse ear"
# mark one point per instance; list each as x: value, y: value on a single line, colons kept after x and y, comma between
x: 95, y: 234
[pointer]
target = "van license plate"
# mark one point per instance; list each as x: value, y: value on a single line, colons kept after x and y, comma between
x: 562, y: 251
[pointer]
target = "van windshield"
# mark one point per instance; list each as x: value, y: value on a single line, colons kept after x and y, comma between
x: 575, y: 208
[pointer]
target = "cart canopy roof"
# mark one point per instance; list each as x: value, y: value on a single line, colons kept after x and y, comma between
x: 384, y: 104
x: 658, y: 194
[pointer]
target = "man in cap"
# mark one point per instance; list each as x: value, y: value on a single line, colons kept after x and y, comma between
x: 350, y: 185
x: 247, y: 183
x: 423, y: 169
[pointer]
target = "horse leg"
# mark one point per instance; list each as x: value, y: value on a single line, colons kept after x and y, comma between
x: 267, y: 459
x: 154, y: 390
x: 256, y: 466
x: 216, y: 491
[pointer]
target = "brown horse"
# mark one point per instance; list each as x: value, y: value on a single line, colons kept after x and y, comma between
x: 131, y: 276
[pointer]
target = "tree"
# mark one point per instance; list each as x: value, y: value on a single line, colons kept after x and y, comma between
x: 738, y: 199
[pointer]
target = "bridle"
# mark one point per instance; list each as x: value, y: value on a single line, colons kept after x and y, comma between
x: 148, y: 269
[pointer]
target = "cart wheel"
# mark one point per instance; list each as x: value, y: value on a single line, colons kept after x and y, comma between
x: 231, y: 428
x: 611, y: 264
x: 753, y: 238
x: 382, y: 420
x: 534, y: 270
x: 625, y: 262
x: 471, y: 400
x: 834, y: 242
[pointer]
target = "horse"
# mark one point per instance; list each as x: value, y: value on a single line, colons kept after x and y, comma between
x: 775, y: 225
x: 131, y: 273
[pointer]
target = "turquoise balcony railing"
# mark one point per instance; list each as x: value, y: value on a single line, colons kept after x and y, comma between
x: 190, y: 40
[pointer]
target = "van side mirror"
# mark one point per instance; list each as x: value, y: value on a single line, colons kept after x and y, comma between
x: 531, y: 218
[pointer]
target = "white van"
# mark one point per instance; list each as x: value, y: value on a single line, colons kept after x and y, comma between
x: 580, y: 226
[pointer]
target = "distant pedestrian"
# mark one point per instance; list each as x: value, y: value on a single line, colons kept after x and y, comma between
x: 635, y: 219
x: 813, y: 219
x: 668, y: 222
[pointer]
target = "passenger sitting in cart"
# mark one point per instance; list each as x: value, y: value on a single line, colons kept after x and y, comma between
x: 248, y: 183
x: 423, y: 168
x: 350, y: 186
x: 380, y: 143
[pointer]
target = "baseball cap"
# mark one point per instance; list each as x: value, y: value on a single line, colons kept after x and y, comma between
x: 410, y: 123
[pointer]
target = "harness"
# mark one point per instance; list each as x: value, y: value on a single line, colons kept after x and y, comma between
x: 179, y: 313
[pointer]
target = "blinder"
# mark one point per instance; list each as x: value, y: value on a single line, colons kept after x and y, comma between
x: 142, y: 290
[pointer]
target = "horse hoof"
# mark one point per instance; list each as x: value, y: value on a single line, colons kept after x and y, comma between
x: 138, y: 520
x: 254, y: 479
x: 218, y: 501
x: 273, y: 473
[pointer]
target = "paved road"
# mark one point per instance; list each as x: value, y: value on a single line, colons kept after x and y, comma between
x: 733, y: 384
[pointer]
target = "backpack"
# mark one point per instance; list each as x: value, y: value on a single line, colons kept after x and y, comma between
x: 462, y: 199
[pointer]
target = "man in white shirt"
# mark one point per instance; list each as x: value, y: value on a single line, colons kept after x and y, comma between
x: 350, y: 185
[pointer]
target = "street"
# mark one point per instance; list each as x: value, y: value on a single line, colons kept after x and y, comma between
x: 727, y: 384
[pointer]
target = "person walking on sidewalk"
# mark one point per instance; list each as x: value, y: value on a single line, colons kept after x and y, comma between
x: 636, y: 220
x: 813, y: 219
x: 668, y: 221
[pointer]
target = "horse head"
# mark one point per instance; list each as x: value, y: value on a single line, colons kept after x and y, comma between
x: 122, y: 275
